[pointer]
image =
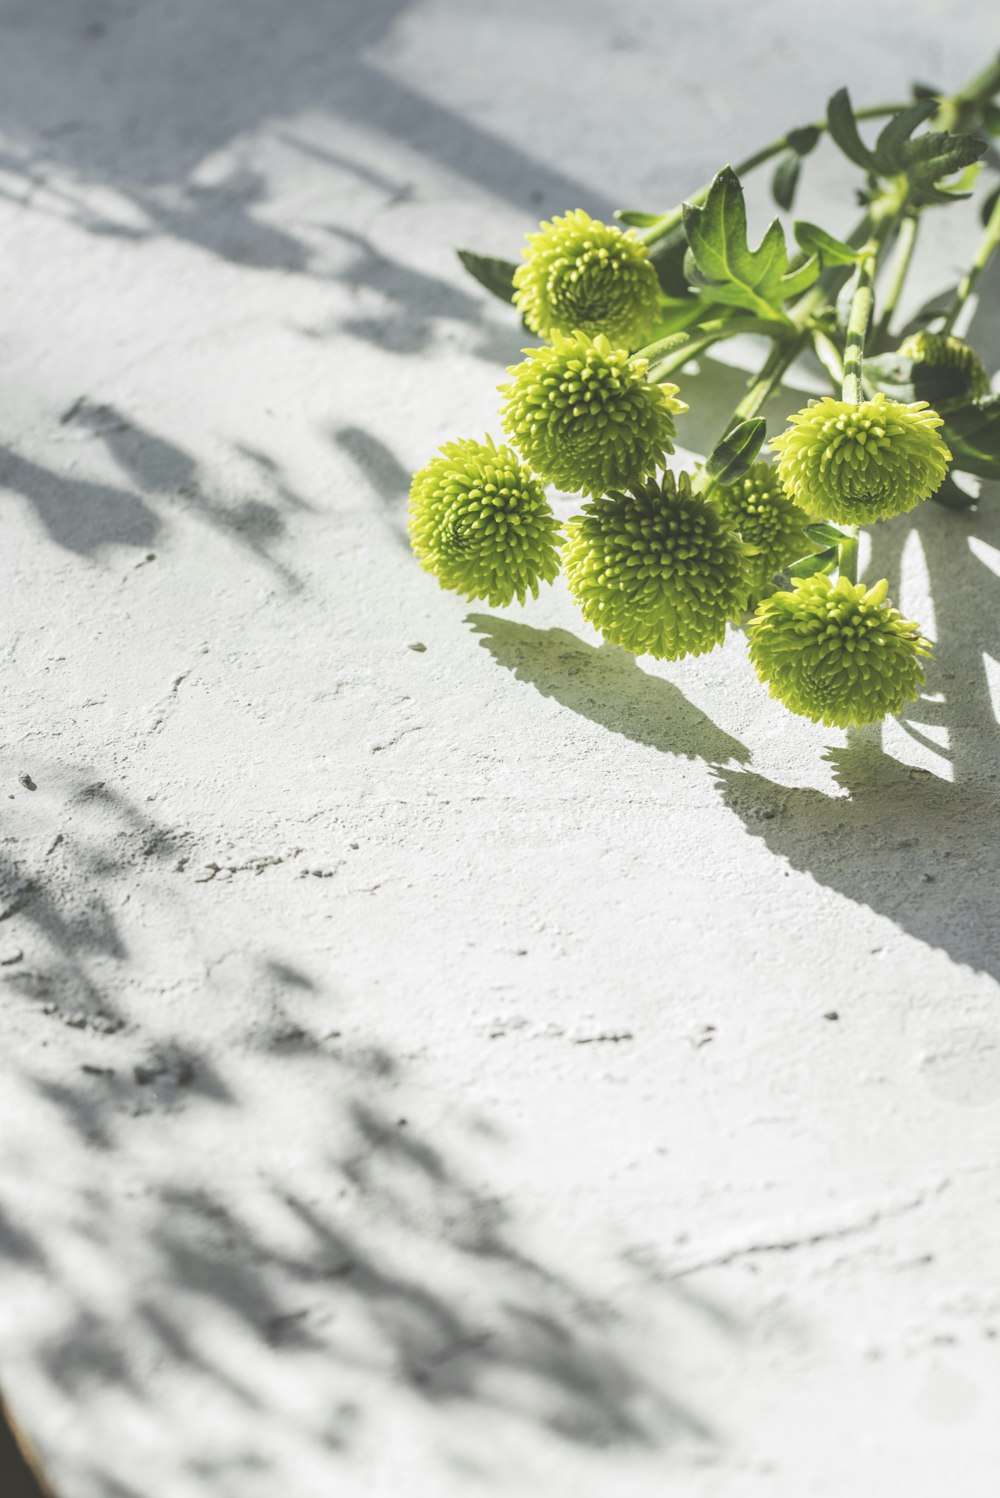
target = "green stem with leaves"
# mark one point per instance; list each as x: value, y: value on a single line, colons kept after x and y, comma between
x: 669, y: 221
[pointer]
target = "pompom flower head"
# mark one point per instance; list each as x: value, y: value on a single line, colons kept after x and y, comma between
x: 656, y: 570
x: 837, y: 652
x: 954, y: 353
x: 584, y: 416
x: 583, y: 276
x: 757, y: 506
x: 861, y: 463
x: 480, y: 522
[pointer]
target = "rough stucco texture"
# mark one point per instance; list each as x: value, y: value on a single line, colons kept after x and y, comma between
x: 505, y: 1066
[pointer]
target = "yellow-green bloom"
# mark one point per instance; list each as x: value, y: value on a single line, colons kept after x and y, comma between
x: 861, y: 463
x: 946, y: 349
x: 757, y: 506
x: 584, y: 276
x: 480, y: 522
x: 837, y: 652
x: 584, y: 416
x: 656, y: 570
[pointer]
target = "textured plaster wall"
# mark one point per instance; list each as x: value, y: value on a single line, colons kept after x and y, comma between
x: 500, y: 1066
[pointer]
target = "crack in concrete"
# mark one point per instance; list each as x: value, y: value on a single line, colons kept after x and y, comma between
x: 811, y: 1239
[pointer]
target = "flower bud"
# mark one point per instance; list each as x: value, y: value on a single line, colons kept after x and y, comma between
x: 837, y: 652
x: 480, y: 522
x: 655, y: 570
x: 757, y: 506
x: 584, y: 417
x: 857, y: 464
x: 584, y: 276
x: 955, y: 353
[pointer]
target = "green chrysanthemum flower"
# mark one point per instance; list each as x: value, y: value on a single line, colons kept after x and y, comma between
x: 837, y: 652
x: 584, y: 416
x: 861, y: 463
x: 757, y: 506
x: 946, y: 349
x: 584, y: 276
x: 480, y: 522
x: 656, y: 570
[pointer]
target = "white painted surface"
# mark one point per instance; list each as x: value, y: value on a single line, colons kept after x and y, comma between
x: 653, y: 1223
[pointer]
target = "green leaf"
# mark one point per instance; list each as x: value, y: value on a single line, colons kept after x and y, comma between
x: 801, y: 278
x: 496, y: 275
x: 889, y: 151
x: 939, y: 154
x: 816, y: 241
x: 636, y: 219
x: 717, y: 236
x: 904, y: 379
x: 973, y: 434
x: 804, y: 139
x: 844, y: 130
x: 821, y: 561
x: 785, y: 178
x: 822, y: 533
x: 733, y: 454
x: 988, y: 205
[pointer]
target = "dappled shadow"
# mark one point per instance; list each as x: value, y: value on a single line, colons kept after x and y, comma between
x: 368, y: 1265
x: 166, y: 119
x: 607, y: 685
x: 919, y: 846
x: 88, y: 517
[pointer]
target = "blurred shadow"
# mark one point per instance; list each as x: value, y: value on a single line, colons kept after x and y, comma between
x: 376, y: 1263
x: 262, y: 75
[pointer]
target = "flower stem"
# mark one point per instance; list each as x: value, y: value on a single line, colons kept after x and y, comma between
x: 905, y: 246
x: 857, y: 326
x: 985, y: 253
x: 782, y: 354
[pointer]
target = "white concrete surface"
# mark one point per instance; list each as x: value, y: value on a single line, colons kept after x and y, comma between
x: 420, y: 1067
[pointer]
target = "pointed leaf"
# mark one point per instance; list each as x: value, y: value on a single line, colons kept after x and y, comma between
x: 821, y: 561
x: 973, y: 434
x: 785, y: 178
x: 636, y: 219
x: 801, y: 278
x: 939, y: 154
x: 804, y: 139
x: 988, y: 205
x: 817, y: 241
x: 823, y: 532
x: 889, y: 146
x: 496, y: 275
x: 717, y: 236
x: 733, y: 454
x: 844, y: 129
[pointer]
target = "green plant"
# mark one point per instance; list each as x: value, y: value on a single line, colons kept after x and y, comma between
x: 661, y: 563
